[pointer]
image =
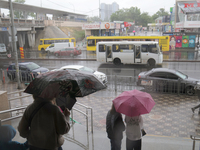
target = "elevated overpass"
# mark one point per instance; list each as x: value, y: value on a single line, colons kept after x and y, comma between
x: 29, y: 30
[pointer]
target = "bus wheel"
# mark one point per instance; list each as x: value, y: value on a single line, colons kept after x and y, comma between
x: 117, y: 61
x: 151, y: 62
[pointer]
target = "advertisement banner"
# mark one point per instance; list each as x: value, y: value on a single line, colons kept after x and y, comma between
x: 185, y: 40
x: 172, y: 43
x: 192, y: 40
x: 178, y: 41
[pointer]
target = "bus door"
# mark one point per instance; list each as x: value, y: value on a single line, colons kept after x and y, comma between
x: 137, y: 54
x: 109, y: 53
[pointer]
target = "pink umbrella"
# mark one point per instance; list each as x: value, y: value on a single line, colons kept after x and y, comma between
x: 133, y: 31
x: 134, y: 103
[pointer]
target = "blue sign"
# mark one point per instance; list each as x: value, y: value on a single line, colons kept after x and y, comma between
x: 4, y: 29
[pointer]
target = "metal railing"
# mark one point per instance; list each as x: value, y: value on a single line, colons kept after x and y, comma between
x: 22, y: 107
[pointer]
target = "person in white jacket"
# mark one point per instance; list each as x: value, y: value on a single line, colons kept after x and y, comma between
x: 134, y: 125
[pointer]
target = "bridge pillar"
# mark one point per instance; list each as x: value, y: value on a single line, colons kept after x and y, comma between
x: 31, y: 37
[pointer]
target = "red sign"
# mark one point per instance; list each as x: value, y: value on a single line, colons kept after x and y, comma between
x: 126, y: 24
x: 191, y: 5
x: 107, y: 25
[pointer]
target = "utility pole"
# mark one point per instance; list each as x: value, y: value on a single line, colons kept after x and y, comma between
x: 14, y: 46
x: 99, y: 19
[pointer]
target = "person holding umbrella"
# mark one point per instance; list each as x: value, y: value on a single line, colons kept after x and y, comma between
x: 43, y: 124
x: 114, y: 128
x: 133, y: 104
x: 134, y: 125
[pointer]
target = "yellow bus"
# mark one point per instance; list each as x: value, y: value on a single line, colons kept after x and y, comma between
x: 93, y: 40
x: 44, y: 43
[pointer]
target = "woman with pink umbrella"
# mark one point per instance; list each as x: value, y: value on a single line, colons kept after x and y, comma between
x: 133, y: 104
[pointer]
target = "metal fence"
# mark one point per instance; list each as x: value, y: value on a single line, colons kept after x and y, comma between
x: 116, y: 83
x: 35, y: 54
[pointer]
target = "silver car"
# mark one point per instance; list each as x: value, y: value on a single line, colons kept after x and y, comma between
x: 167, y: 80
x: 100, y: 75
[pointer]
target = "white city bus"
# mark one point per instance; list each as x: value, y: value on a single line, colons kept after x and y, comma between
x: 129, y: 52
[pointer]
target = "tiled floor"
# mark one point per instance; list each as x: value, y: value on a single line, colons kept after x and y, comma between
x: 171, y: 116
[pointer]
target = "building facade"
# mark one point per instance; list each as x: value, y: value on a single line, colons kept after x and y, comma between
x: 107, y: 10
x: 102, y: 29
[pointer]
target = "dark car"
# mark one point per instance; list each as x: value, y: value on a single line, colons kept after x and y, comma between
x: 69, y: 51
x: 167, y: 80
x: 27, y: 71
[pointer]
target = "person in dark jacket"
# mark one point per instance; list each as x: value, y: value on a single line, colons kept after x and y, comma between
x: 114, y: 128
x: 7, y: 133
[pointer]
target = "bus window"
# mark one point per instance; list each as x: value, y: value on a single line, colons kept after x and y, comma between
x: 137, y: 51
x: 102, y: 48
x: 72, y: 40
x: 41, y: 42
x: 115, y: 48
x: 109, y: 53
x: 145, y: 48
x: 153, y: 49
x: 91, y: 42
x: 124, y: 47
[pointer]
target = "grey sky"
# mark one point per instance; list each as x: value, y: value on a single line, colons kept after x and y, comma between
x: 91, y: 7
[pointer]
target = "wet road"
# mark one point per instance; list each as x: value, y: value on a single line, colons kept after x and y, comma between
x: 192, y: 69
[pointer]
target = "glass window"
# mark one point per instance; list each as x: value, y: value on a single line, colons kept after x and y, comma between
x: 124, y: 47
x: 72, y: 40
x: 153, y: 48
x: 23, y: 68
x: 102, y: 48
x: 144, y: 48
x: 52, y: 45
x: 32, y: 66
x: 159, y: 75
x: 172, y: 76
x: 180, y: 74
x: 91, y: 42
x: 87, y: 69
x: 115, y: 48
x: 41, y: 42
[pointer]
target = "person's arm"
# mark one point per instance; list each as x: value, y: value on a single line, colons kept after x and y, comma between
x: 141, y: 122
x: 23, y: 127
x: 62, y: 121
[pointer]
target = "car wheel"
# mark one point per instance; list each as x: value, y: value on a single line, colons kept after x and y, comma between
x: 190, y: 90
x: 151, y: 62
x: 117, y: 61
x: 71, y: 55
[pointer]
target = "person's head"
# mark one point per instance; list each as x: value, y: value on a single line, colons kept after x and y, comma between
x: 113, y: 109
x: 173, y: 38
x: 37, y: 97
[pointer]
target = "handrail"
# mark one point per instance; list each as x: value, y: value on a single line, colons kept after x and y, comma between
x: 194, y: 138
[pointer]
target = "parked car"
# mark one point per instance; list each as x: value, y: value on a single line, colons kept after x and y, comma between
x: 3, y: 48
x: 69, y: 51
x: 167, y: 80
x: 101, y: 76
x: 28, y: 71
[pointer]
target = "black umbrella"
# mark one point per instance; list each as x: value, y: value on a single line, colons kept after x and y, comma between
x: 63, y: 83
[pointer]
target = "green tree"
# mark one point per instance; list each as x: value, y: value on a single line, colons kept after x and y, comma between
x: 145, y: 18
x: 160, y: 13
x: 19, y: 14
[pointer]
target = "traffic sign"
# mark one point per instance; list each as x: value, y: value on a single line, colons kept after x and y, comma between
x: 10, y: 31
